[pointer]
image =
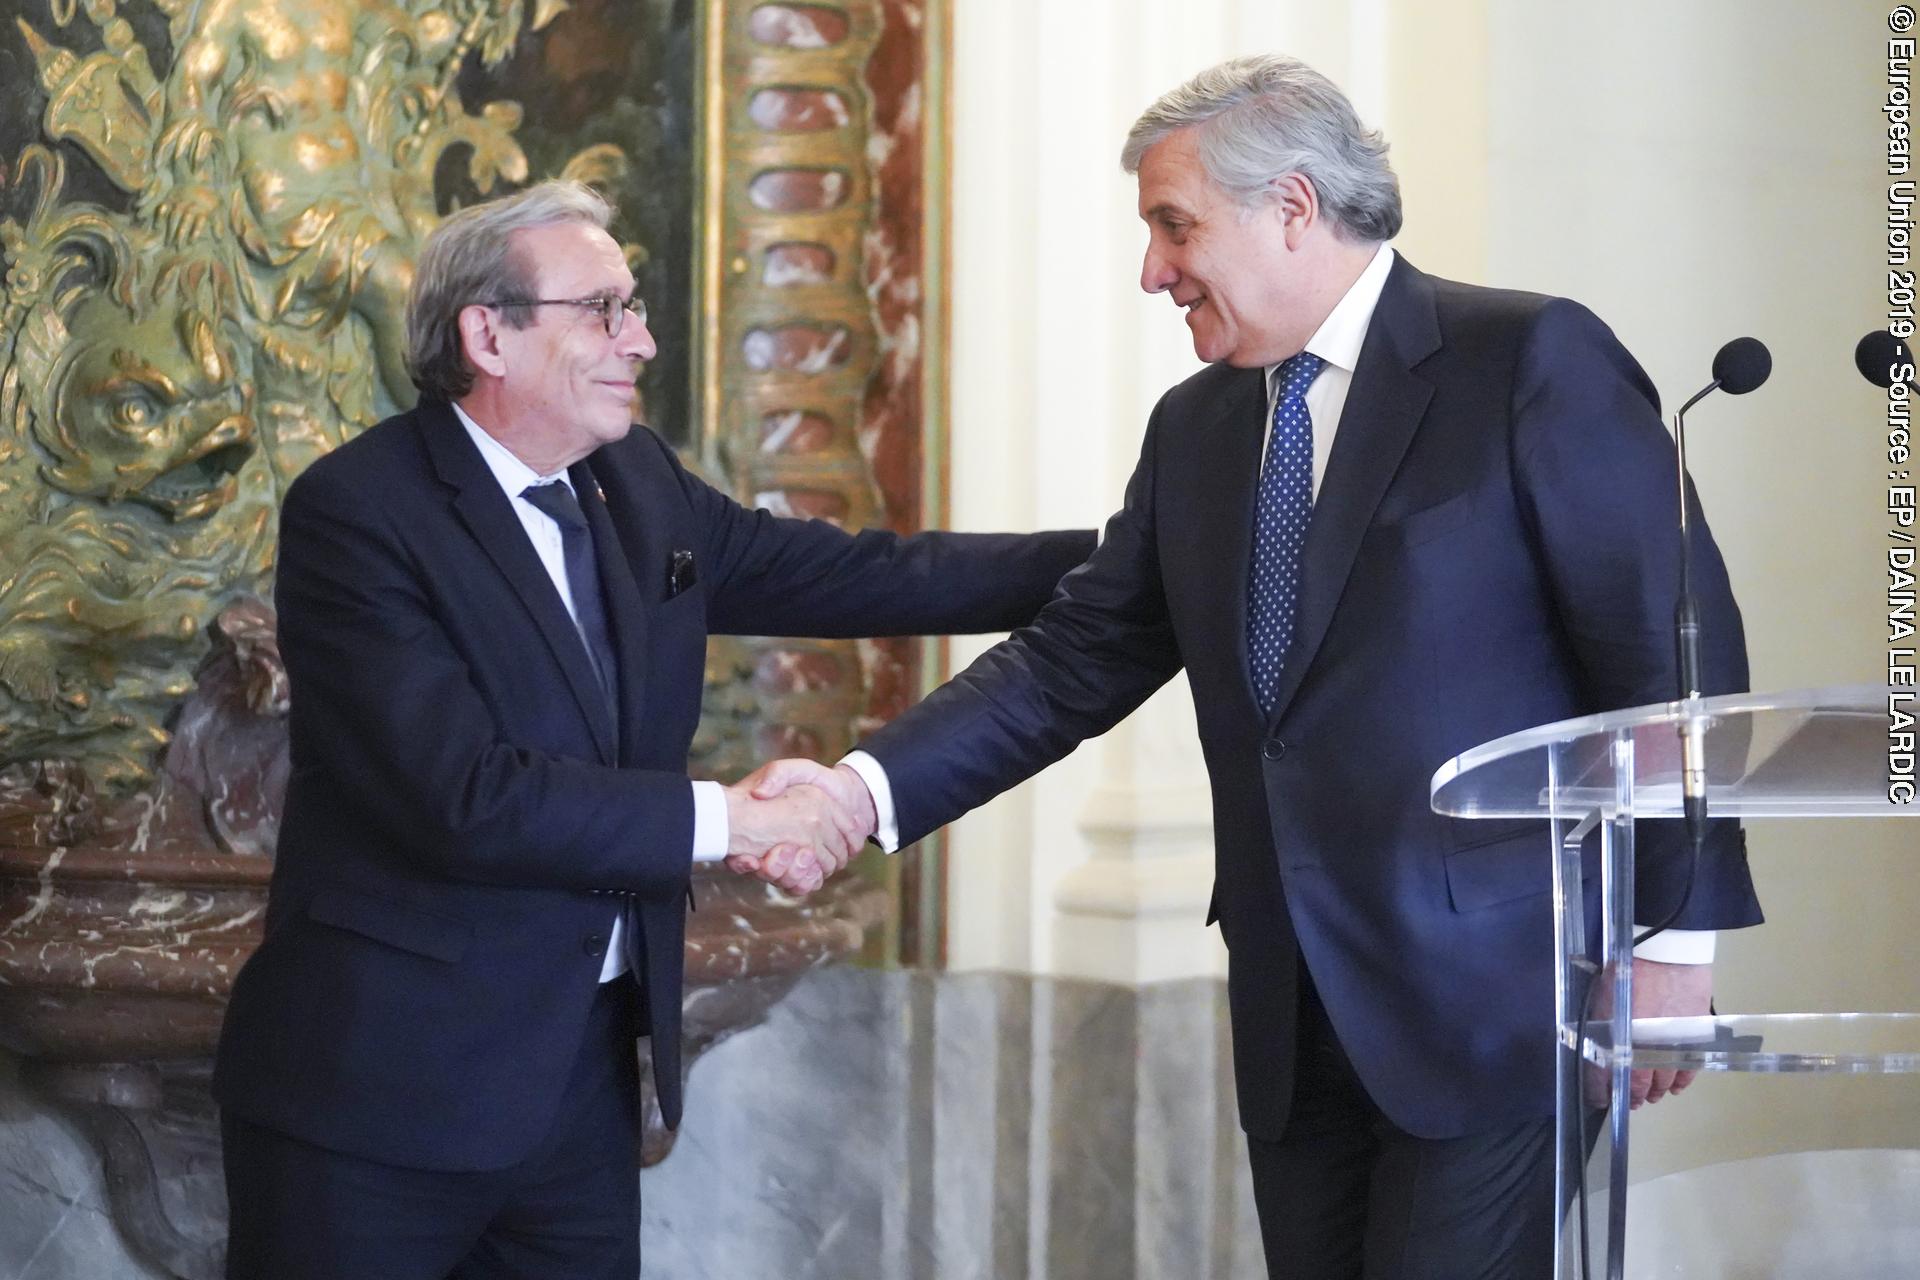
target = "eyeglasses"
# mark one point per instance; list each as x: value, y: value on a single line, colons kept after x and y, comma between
x: 613, y: 312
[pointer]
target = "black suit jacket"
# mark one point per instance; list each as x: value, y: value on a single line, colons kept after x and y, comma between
x: 1492, y: 548
x: 461, y: 805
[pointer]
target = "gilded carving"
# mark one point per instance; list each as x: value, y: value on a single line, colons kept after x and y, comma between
x: 166, y: 370
x: 201, y: 270
x: 812, y: 358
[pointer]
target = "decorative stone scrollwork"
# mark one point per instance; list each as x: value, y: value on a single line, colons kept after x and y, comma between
x: 204, y: 293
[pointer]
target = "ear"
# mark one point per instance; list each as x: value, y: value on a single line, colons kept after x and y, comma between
x: 480, y: 336
x: 1297, y: 205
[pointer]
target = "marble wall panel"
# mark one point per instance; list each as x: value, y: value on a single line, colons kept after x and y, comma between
x: 878, y: 1126
x: 54, y: 1223
x: 962, y: 1127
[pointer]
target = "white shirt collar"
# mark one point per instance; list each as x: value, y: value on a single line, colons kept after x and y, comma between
x: 1338, y: 339
x: 514, y: 475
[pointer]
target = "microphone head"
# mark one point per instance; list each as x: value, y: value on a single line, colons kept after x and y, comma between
x: 1742, y: 365
x: 1876, y: 355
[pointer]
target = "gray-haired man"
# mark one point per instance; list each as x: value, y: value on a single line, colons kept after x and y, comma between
x: 1398, y: 516
x: 494, y: 611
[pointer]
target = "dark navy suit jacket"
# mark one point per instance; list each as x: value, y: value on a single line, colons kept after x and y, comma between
x: 461, y: 803
x: 1492, y: 548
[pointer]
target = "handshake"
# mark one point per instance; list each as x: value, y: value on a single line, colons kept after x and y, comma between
x: 793, y: 823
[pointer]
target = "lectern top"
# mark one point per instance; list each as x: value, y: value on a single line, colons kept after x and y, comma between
x: 1840, y: 751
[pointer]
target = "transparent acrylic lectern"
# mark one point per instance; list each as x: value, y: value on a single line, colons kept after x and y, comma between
x: 1805, y: 753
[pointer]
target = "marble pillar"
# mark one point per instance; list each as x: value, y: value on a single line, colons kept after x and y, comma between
x: 916, y: 1126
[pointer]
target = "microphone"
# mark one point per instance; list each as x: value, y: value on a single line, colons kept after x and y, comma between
x: 1882, y: 359
x: 1739, y: 367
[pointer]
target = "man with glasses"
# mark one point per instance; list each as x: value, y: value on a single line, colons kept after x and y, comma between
x: 494, y: 611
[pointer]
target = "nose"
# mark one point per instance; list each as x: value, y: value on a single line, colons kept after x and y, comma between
x: 1157, y: 275
x: 637, y: 340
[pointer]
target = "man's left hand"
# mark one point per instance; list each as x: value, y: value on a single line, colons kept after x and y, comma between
x: 1668, y: 991
x: 795, y: 867
x: 853, y: 805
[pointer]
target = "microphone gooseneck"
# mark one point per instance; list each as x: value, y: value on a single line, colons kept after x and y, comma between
x: 1742, y: 365
x: 1739, y: 367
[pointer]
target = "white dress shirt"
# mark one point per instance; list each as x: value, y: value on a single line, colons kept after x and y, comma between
x: 1337, y: 341
x: 710, y: 829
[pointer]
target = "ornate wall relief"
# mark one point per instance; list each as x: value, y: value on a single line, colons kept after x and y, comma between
x: 208, y: 214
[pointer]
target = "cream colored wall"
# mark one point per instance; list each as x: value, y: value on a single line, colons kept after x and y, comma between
x: 1694, y: 172
x: 1101, y: 866
x: 1691, y: 171
x: 1057, y: 358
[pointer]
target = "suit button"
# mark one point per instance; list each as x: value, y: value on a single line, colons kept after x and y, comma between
x: 1273, y: 749
x: 594, y: 944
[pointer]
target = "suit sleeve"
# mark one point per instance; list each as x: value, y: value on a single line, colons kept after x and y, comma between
x: 1595, y: 473
x: 1098, y: 650
x: 384, y: 703
x: 776, y: 576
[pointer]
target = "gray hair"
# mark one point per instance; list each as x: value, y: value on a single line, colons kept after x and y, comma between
x: 1258, y: 119
x: 470, y: 259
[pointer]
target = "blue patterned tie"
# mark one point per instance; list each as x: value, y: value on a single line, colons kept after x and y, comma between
x: 1280, y: 529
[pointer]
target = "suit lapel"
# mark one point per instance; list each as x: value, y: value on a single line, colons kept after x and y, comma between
x: 627, y: 605
x: 1384, y: 406
x: 483, y: 506
x: 1230, y: 443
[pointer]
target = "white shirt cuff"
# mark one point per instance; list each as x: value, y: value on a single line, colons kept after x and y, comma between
x: 1677, y: 946
x: 710, y: 828
x: 887, y: 824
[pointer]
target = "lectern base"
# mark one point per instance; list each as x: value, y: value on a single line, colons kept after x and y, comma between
x: 1804, y: 1215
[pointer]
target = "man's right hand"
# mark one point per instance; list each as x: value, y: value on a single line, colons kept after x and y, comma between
x: 795, y: 839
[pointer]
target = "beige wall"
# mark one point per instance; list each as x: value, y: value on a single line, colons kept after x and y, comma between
x: 1695, y: 172
x: 1101, y: 867
x: 1692, y: 171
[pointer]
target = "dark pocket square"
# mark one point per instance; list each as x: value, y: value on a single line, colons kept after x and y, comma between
x: 681, y: 573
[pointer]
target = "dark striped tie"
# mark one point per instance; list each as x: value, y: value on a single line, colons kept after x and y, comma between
x: 555, y: 498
